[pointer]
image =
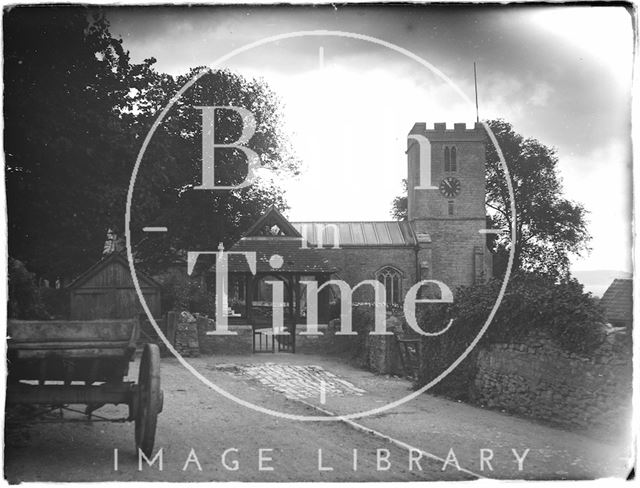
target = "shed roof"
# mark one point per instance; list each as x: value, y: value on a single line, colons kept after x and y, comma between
x: 116, y: 257
x: 618, y: 301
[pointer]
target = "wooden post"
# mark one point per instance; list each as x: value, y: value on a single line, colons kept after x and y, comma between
x: 249, y: 296
x: 292, y: 317
x: 172, y: 323
x: 323, y: 300
x: 290, y: 297
x: 296, y: 289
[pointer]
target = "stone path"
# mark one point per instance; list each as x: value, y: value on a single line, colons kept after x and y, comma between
x: 294, y: 381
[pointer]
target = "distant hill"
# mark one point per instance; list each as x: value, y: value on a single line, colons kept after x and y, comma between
x: 598, y: 280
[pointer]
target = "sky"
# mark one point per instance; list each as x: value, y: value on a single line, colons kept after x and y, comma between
x: 559, y: 74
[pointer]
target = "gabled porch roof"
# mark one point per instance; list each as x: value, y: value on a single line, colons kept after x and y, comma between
x: 295, y: 258
x: 273, y: 235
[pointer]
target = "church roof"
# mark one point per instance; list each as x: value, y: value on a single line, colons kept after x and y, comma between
x: 273, y: 234
x: 367, y: 233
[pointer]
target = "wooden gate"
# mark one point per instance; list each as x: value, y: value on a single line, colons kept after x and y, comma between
x: 265, y: 341
x: 287, y: 343
x: 410, y: 355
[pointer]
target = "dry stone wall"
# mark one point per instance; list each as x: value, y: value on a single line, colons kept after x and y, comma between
x: 186, y: 339
x: 538, y: 378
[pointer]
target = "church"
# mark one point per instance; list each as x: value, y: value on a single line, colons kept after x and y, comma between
x: 441, y: 239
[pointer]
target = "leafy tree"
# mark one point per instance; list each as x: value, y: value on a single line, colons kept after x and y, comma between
x: 549, y: 227
x: 66, y: 145
x: 25, y: 301
x: 399, y: 206
x: 76, y: 112
x: 165, y: 191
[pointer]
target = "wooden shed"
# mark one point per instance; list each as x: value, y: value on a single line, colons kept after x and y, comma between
x: 106, y: 291
x: 617, y: 302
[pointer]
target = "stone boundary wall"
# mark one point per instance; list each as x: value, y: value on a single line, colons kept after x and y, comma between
x: 382, y: 355
x: 191, y: 337
x: 533, y: 377
x: 239, y: 344
x: 326, y: 344
x: 186, y: 339
x: 377, y: 353
x: 537, y: 378
x: 313, y: 344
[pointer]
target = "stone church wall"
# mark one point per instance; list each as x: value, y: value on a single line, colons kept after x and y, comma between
x: 355, y: 264
x: 453, y: 248
x: 469, y: 204
x: 458, y: 250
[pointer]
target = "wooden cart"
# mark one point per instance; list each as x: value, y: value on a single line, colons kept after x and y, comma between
x: 55, y: 364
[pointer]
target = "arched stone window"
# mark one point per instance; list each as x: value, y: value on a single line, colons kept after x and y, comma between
x: 454, y: 163
x: 447, y: 160
x: 391, y: 278
x: 450, y: 159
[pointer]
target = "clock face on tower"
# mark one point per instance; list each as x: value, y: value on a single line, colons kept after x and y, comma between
x: 450, y: 187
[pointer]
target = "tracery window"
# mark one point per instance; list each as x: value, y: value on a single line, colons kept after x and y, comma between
x: 450, y: 159
x: 392, y: 281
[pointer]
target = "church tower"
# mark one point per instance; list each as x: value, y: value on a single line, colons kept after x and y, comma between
x: 446, y: 195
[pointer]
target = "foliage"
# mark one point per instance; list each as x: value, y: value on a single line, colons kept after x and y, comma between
x: 64, y: 140
x: 549, y: 228
x: 362, y: 322
x: 354, y: 346
x: 532, y: 302
x: 172, y: 167
x: 25, y: 300
x: 28, y: 301
x: 187, y: 295
x: 400, y: 204
x: 57, y: 302
x: 76, y: 112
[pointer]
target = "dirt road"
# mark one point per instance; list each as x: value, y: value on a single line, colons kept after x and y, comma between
x: 196, y: 418
x: 206, y: 437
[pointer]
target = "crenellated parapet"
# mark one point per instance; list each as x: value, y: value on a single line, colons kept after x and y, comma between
x: 459, y: 132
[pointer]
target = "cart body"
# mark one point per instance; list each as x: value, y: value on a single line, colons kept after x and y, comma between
x: 87, y: 351
x: 58, y: 363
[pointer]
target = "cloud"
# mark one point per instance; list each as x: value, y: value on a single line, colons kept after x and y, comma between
x: 540, y: 95
x: 558, y: 74
x: 602, y: 181
x: 603, y: 34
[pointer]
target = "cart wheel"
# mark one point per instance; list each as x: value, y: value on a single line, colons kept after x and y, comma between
x: 149, y: 399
